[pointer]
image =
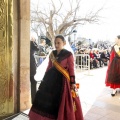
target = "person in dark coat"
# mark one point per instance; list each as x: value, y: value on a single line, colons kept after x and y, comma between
x: 33, y: 65
x: 42, y: 51
x: 104, y: 57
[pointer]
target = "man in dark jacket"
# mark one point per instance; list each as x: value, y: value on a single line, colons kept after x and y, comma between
x: 33, y: 65
x: 104, y: 57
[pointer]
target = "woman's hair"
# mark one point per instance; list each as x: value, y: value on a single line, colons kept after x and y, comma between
x: 118, y: 36
x: 61, y: 37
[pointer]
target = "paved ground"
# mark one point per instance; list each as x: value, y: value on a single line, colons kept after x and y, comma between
x: 96, y: 100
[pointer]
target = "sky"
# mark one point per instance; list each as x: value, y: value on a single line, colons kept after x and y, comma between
x: 108, y: 27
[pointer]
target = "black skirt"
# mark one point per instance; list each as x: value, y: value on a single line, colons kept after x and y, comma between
x: 48, y: 96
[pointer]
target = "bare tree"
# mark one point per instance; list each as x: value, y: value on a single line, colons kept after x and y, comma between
x: 54, y: 20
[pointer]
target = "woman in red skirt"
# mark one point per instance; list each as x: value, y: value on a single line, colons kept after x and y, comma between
x: 113, y: 71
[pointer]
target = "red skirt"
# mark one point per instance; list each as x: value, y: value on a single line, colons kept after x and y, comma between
x: 114, y: 86
x: 113, y: 74
x: 35, y: 116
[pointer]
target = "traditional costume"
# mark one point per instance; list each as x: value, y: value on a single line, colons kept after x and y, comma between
x: 54, y: 99
x: 113, y: 71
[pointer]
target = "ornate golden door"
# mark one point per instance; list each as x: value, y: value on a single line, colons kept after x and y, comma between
x: 6, y: 76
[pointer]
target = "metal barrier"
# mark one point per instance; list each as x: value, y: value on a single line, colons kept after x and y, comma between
x: 82, y: 62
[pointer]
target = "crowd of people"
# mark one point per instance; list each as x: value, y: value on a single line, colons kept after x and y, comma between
x: 43, y: 51
x: 98, y: 58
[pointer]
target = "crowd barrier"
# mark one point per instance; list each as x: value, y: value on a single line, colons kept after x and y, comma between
x: 82, y: 62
